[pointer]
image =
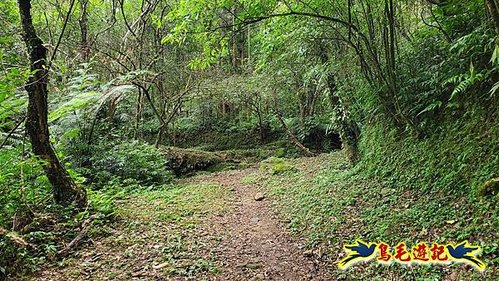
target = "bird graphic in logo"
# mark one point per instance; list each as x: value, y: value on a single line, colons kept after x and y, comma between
x: 357, y: 252
x: 464, y: 252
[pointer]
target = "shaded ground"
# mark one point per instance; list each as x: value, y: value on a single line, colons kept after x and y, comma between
x: 156, y: 237
x: 207, y: 227
x: 210, y: 227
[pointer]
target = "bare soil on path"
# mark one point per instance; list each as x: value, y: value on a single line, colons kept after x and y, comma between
x: 254, y: 242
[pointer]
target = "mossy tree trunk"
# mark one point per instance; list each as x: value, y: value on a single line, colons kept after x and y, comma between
x: 64, y: 188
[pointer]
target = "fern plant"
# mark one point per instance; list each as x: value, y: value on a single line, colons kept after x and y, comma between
x: 494, y: 89
x: 465, y: 81
x: 81, y: 91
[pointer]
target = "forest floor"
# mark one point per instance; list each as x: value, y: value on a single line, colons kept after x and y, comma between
x: 211, y: 227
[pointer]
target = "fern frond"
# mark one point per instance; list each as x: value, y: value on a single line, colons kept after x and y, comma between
x: 78, y: 102
x: 494, y: 89
x: 432, y: 106
x: 116, y: 93
x: 466, y: 81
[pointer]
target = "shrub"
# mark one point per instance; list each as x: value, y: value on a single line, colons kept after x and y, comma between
x: 130, y: 160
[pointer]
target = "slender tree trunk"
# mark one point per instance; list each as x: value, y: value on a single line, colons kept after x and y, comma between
x: 138, y: 115
x: 85, y: 45
x: 162, y: 127
x: 234, y: 38
x: 249, y: 45
x: 391, y: 46
x: 260, y: 125
x: 294, y: 140
x: 64, y: 188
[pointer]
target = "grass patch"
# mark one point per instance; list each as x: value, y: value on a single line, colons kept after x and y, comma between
x: 171, y: 215
x: 155, y: 234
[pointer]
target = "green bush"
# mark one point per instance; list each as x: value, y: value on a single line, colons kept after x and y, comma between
x: 22, y: 183
x: 130, y: 160
x: 28, y: 213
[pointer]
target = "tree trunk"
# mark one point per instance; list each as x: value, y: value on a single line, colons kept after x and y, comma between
x: 64, y: 188
x: 306, y: 152
x: 260, y: 125
x: 84, y: 45
x: 349, y: 131
x: 138, y: 115
x: 233, y: 38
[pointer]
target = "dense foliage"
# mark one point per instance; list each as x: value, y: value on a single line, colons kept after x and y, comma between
x: 409, y: 89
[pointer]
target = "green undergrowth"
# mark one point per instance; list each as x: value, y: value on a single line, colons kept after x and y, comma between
x: 33, y: 228
x: 147, y: 227
x: 112, y: 174
x: 121, y: 161
x: 458, y: 156
x: 41, y: 234
x: 178, y: 201
x: 167, y: 219
x: 332, y: 205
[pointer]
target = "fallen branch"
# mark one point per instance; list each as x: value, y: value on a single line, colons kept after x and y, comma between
x: 85, y: 227
x: 294, y: 140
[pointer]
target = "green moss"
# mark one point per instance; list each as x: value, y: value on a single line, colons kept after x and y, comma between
x: 183, y: 161
x: 457, y: 156
x: 275, y: 165
x: 280, y: 152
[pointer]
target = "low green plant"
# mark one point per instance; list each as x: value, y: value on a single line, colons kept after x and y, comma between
x: 275, y: 165
x: 130, y: 160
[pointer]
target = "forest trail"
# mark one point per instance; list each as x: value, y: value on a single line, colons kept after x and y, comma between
x: 228, y: 235
x: 255, y: 244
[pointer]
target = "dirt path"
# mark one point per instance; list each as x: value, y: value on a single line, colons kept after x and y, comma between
x: 254, y: 243
x: 209, y: 227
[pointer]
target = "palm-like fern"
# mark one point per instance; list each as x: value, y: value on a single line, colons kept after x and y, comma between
x: 465, y: 81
